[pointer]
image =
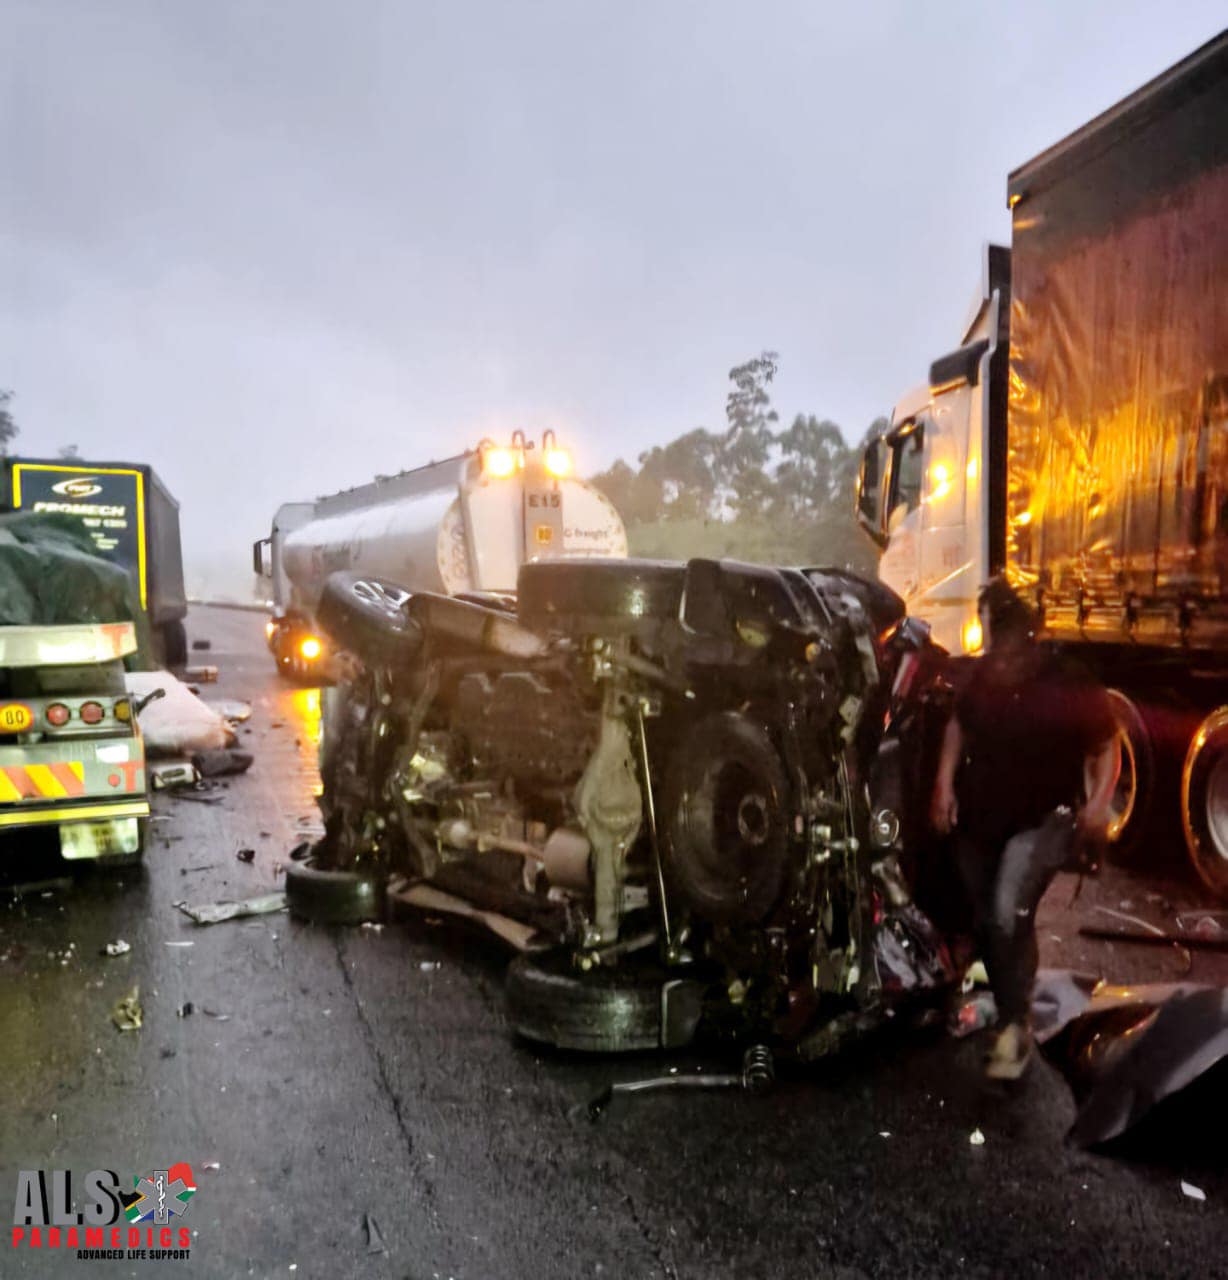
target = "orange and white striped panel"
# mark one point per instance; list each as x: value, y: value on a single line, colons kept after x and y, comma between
x: 42, y: 781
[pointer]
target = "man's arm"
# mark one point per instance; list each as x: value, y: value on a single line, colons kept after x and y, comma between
x: 944, y: 812
x: 1100, y: 774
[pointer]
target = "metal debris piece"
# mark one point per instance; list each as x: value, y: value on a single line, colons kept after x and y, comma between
x: 375, y: 1242
x: 186, y: 1009
x: 216, y: 912
x: 178, y: 943
x: 128, y: 1014
x: 758, y: 1075
x: 976, y: 1138
x: 1194, y: 1193
x: 117, y: 948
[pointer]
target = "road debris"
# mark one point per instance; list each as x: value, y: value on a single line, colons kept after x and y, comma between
x: 976, y: 1138
x: 246, y: 855
x: 127, y: 1013
x: 211, y: 1166
x: 758, y: 1075
x: 1125, y: 1049
x: 185, y: 1010
x: 429, y: 966
x: 216, y: 912
x: 231, y: 709
x: 200, y: 675
x: 973, y: 1014
x: 201, y: 646
x: 215, y: 1015
x: 300, y: 852
x: 375, y: 1242
x: 222, y: 762
x: 178, y: 723
x: 178, y: 943
x: 117, y: 948
x: 173, y: 773
x: 1194, y: 1193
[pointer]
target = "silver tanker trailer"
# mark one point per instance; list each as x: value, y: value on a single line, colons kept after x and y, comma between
x: 461, y: 527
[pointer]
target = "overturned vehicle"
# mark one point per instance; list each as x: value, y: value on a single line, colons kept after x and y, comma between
x: 658, y: 781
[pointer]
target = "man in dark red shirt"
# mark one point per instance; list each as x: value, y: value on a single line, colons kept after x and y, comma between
x: 1028, y: 767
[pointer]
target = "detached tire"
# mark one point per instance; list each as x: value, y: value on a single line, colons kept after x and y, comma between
x: 1204, y: 802
x: 610, y: 597
x: 323, y: 896
x: 602, y: 1011
x: 368, y: 616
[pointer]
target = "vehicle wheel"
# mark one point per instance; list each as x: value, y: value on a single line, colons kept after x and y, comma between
x: 727, y: 822
x: 608, y: 596
x: 615, y: 1010
x: 368, y: 616
x: 174, y: 645
x: 1204, y: 802
x: 321, y: 895
x: 1131, y: 808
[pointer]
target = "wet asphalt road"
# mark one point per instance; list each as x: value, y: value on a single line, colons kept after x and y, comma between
x: 371, y: 1072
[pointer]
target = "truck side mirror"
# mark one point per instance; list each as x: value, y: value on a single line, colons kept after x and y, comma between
x: 870, y: 482
x: 258, y: 564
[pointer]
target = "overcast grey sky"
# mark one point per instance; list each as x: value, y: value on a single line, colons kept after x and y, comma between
x: 276, y: 246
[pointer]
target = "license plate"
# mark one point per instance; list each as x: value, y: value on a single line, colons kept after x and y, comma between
x: 99, y: 839
x: 15, y: 717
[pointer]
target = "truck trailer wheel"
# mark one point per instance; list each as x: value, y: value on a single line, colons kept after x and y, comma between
x: 367, y: 615
x: 1204, y: 802
x: 615, y: 1010
x: 321, y: 895
x: 1131, y: 809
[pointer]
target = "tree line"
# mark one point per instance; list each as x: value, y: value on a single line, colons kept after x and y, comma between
x: 754, y: 491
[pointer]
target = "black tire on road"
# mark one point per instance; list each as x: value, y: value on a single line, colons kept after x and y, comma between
x: 609, y: 596
x: 616, y: 1010
x: 320, y: 895
x: 1133, y: 802
x: 1204, y: 802
x: 368, y: 616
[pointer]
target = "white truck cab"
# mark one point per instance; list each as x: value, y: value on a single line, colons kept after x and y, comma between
x: 923, y: 494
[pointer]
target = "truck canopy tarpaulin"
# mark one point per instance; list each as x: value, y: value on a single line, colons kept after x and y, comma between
x: 1118, y: 415
x: 50, y: 575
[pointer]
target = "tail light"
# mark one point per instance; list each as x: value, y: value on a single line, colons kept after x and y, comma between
x: 92, y: 713
x: 58, y: 715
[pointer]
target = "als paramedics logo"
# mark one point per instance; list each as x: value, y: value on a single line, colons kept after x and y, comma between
x: 77, y: 487
x: 46, y: 1216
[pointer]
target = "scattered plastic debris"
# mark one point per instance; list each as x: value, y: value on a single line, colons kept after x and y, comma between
x: 185, y: 1010
x: 371, y: 926
x: 211, y: 1166
x: 976, y: 1138
x: 222, y: 763
x: 117, y: 948
x: 246, y: 855
x: 216, y: 912
x: 173, y: 773
x: 429, y: 966
x: 375, y: 1242
x: 231, y: 710
x: 884, y: 1133
x: 127, y: 1013
x: 1194, y: 1193
x: 213, y: 1013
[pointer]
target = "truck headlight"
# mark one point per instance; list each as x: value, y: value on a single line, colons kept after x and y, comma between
x: 498, y: 463
x: 310, y: 648
x: 558, y: 462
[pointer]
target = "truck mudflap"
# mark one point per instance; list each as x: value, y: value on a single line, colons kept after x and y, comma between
x: 72, y: 780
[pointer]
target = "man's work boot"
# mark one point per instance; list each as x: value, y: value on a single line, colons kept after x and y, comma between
x: 1011, y: 1053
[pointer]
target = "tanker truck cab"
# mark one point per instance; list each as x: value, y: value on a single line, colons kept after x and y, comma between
x: 921, y: 494
x: 460, y: 527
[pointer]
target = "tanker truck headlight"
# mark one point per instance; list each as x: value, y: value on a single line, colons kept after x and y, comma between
x: 310, y: 648
x: 558, y: 462
x: 498, y: 463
